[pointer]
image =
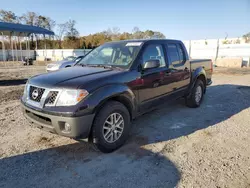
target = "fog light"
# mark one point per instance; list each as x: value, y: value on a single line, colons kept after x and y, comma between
x: 67, y: 127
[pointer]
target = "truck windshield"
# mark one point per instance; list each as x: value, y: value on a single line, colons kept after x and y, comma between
x: 120, y: 54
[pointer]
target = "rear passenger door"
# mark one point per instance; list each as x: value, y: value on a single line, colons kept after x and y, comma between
x: 179, y: 67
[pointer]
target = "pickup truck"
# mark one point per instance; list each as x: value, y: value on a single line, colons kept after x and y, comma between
x: 97, y: 99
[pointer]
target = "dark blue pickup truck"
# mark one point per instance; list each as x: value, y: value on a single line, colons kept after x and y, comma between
x: 116, y: 82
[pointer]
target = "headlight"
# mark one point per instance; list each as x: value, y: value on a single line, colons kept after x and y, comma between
x: 25, y: 91
x: 71, y: 97
x: 53, y: 66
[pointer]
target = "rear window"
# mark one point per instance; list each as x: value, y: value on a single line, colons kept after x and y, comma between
x: 173, y: 54
x: 176, y: 54
x: 181, y: 54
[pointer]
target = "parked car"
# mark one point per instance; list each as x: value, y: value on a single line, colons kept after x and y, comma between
x: 27, y: 61
x: 65, y: 63
x: 116, y: 82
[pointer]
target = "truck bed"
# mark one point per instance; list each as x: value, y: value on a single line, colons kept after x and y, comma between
x: 206, y: 64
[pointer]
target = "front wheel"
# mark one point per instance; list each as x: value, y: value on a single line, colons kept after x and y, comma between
x: 111, y: 127
x: 196, y: 96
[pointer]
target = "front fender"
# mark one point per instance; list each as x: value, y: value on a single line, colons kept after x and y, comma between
x: 98, y: 97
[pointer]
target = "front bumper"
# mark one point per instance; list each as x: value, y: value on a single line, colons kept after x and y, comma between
x: 80, y: 126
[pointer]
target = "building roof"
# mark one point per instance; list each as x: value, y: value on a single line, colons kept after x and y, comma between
x: 22, y: 30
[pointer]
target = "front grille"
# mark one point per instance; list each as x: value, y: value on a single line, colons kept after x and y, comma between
x: 36, y: 93
x: 51, y: 97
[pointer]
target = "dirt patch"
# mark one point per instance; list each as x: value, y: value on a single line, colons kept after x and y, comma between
x: 232, y: 71
x: 43, y: 140
x: 20, y: 72
x: 19, y: 63
x: 14, y: 94
x: 135, y: 147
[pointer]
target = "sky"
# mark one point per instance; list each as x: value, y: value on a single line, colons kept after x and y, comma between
x: 178, y: 19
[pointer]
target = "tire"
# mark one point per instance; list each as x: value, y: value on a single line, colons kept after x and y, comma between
x: 191, y: 100
x: 102, y: 127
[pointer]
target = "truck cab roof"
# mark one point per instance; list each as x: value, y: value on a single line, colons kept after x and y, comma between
x: 146, y: 40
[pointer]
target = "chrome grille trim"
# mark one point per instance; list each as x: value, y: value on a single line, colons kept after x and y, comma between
x: 44, y: 98
x: 52, y: 98
x: 39, y: 92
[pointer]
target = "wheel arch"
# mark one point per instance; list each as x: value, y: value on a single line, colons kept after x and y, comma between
x: 200, y: 74
x: 114, y: 92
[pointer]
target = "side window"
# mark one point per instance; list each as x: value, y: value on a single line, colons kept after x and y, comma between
x: 173, y: 54
x: 181, y: 54
x: 154, y: 51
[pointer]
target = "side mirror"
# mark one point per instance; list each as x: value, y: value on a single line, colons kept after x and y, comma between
x: 152, y: 63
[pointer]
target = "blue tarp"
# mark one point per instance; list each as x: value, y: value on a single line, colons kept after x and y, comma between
x: 23, y: 30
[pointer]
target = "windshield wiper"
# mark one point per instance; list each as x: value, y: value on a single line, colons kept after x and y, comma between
x: 100, y: 65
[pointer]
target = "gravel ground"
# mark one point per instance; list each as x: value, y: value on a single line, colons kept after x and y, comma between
x: 173, y: 146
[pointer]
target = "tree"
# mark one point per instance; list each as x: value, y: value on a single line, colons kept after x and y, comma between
x: 113, y: 33
x: 45, y: 22
x: 71, y: 30
x: 35, y: 19
x: 148, y: 34
x: 247, y: 37
x: 61, y: 31
x: 67, y: 35
x: 237, y: 41
x: 136, y: 33
x: 159, y: 35
x: 71, y: 38
x: 8, y: 16
x: 29, y: 18
x: 135, y: 30
x: 94, y: 40
x: 125, y: 36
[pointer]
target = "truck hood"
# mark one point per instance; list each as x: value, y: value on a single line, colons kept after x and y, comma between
x: 59, y: 62
x: 71, y: 77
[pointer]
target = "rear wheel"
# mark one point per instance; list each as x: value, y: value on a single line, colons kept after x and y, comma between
x: 196, y: 96
x: 111, y: 127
